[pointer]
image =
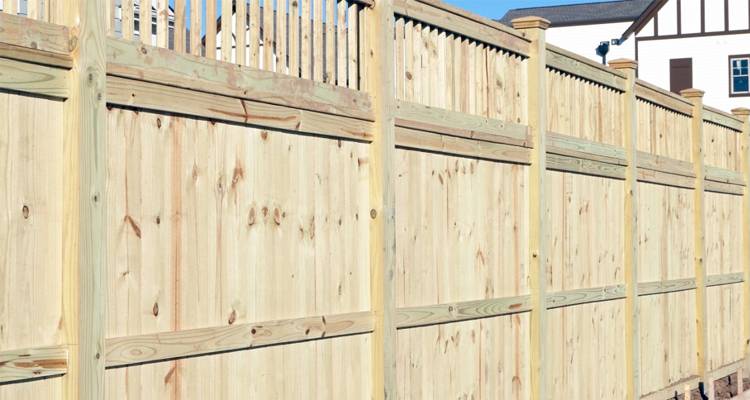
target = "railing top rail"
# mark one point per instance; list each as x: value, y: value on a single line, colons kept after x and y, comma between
x: 662, y: 97
x: 583, y: 67
x: 457, y: 20
x: 722, y: 118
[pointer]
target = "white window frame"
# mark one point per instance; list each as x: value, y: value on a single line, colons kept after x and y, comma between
x: 732, y: 59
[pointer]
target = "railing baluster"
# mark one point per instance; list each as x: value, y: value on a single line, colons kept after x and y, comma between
x: 268, y: 37
x: 255, y: 34
x: 162, y: 24
x: 211, y: 29
x: 353, y: 45
x: 341, y: 44
x: 179, y: 26
x: 128, y: 19
x: 330, y: 33
x: 144, y: 22
x: 306, y: 32
x: 196, y: 23
x: 281, y: 30
x: 318, y: 41
x: 240, y: 32
x: 294, y: 38
x: 226, y: 30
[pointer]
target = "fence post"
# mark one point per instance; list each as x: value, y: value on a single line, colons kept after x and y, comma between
x: 378, y: 80
x: 632, y: 310
x: 534, y: 28
x: 744, y: 114
x: 699, y: 243
x: 84, y: 213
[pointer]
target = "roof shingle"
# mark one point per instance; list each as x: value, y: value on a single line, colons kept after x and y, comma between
x: 588, y: 13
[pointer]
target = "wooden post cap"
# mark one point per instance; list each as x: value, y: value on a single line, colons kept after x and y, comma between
x: 741, y: 112
x: 623, y: 63
x: 530, y: 22
x: 692, y: 93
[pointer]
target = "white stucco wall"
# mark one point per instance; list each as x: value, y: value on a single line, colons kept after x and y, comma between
x: 710, y: 56
x: 584, y: 39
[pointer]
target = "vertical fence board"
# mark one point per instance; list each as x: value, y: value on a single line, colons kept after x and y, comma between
x: 196, y: 22
x: 226, y: 30
x: 211, y: 30
x: 281, y: 33
x: 180, y: 26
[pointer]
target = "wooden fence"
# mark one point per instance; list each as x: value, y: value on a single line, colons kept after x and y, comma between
x: 388, y: 199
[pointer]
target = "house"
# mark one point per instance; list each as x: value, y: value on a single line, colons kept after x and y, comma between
x: 678, y: 43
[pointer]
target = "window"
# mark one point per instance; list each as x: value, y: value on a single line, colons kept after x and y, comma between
x: 680, y: 74
x: 739, y: 79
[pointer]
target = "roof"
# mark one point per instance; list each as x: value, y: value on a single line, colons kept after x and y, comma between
x: 584, y: 14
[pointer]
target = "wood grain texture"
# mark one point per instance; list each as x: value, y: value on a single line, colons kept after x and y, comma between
x: 84, y: 247
x: 451, y: 145
x: 37, y: 363
x: 582, y: 67
x: 722, y: 118
x: 562, y: 163
x: 188, y: 343
x: 436, y: 120
x: 164, y: 67
x: 24, y: 32
x: 34, y: 79
x: 661, y: 131
x: 662, y: 98
x: 31, y: 183
x: 151, y: 96
x: 585, y: 296
x: 459, y: 21
x: 411, y: 317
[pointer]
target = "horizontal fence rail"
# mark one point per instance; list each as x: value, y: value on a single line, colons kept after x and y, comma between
x: 344, y: 199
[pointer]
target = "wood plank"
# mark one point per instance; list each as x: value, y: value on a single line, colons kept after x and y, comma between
x: 662, y: 97
x: 318, y: 44
x: 667, y: 179
x: 255, y: 37
x: 132, y: 93
x: 534, y: 29
x: 127, y: 13
x: 226, y: 30
x: 570, y: 146
x: 341, y: 60
x: 84, y: 225
x: 701, y: 318
x: 240, y: 32
x: 26, y: 54
x: 165, y: 346
x: 725, y: 188
x: 669, y: 286
x: 196, y: 26
x: 306, y: 42
x: 162, y: 23
x: 33, y: 78
x: 412, y: 317
x: 744, y: 114
x: 198, y: 73
x: 724, y: 279
x: 556, y: 162
x: 421, y: 140
x: 459, y: 21
x: 180, y: 27
x: 718, y: 117
x: 37, y: 35
x: 724, y: 176
x: 566, y: 61
x: 378, y: 68
x: 211, y: 29
x: 585, y: 296
x: 421, y: 117
x: 665, y: 164
x: 37, y: 363
x: 281, y: 40
x: 352, y: 42
x: 269, y: 38
x: 631, y: 230
x: 330, y: 70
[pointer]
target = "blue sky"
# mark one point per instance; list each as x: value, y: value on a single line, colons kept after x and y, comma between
x: 496, y: 9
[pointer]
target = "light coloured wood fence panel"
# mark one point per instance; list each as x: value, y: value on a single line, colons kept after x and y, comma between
x: 583, y: 339
x: 337, y: 368
x: 202, y: 211
x: 584, y: 253
x: 439, y: 68
x: 663, y: 132
x: 725, y: 338
x: 31, y: 188
x: 460, y: 228
x: 722, y: 147
x: 668, y: 337
x: 666, y: 250
x: 583, y: 109
x: 481, y: 359
x: 723, y: 233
